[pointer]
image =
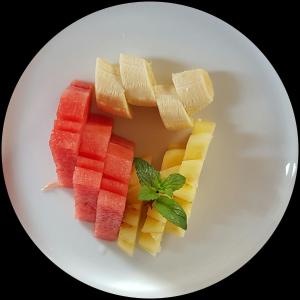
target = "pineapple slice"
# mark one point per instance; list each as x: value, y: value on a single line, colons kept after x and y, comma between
x: 149, y: 244
x: 127, y: 233
x: 197, y: 146
x: 203, y: 127
x: 191, y: 170
x: 187, y: 206
x: 187, y: 193
x: 131, y: 216
x: 126, y: 246
x: 153, y: 226
x: 154, y: 214
x: 156, y: 236
x: 172, y: 158
x: 176, y: 146
x: 166, y: 172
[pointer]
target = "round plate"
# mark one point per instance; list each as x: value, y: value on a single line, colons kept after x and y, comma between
x: 247, y: 179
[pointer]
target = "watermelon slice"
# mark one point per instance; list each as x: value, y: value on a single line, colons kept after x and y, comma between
x: 110, y: 210
x: 115, y: 139
x: 114, y: 186
x: 82, y: 84
x: 74, y: 104
x: 86, y: 189
x: 118, y: 162
x: 64, y: 146
x: 68, y: 126
x: 91, y: 164
x: 95, y: 137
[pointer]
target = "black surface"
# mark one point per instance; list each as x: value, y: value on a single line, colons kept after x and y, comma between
x: 24, y: 30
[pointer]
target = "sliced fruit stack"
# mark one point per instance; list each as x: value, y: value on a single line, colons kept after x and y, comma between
x: 133, y: 81
x: 89, y: 158
x: 188, y: 161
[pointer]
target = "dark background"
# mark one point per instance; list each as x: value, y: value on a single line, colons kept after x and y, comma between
x: 25, y: 29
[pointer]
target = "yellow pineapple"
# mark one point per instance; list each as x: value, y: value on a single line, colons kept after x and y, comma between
x: 148, y: 243
x: 191, y: 170
x: 203, y: 127
x: 165, y: 173
x: 153, y: 225
x: 197, y: 145
x: 187, y: 193
x: 176, y: 146
x: 132, y: 214
x: 172, y: 158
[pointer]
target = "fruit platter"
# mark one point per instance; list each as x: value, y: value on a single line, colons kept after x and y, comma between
x: 124, y: 197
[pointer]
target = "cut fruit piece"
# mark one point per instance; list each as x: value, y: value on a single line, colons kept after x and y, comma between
x: 153, y: 226
x: 138, y: 80
x: 114, y: 186
x: 194, y: 88
x: 91, y: 164
x: 74, y: 104
x: 115, y: 139
x: 156, y: 236
x: 110, y: 93
x: 191, y: 170
x: 95, y: 137
x: 64, y: 146
x: 110, y: 209
x: 118, y: 162
x: 69, y: 126
x: 125, y: 246
x: 86, y: 188
x: 176, y: 146
x: 197, y: 146
x: 171, y: 110
x: 166, y: 172
x: 201, y: 126
x: 187, y: 206
x: 82, y: 84
x: 149, y: 244
x: 187, y: 193
x: 172, y: 158
x: 154, y: 214
x: 133, y: 193
x: 173, y: 229
x: 131, y: 216
x: 127, y: 233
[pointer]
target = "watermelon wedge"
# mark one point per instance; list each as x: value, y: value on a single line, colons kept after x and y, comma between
x: 91, y: 164
x: 95, y: 137
x: 115, y: 139
x: 118, y: 162
x: 68, y: 126
x: 64, y: 146
x: 110, y: 210
x: 114, y: 186
x: 86, y: 189
x: 82, y: 84
x: 74, y: 104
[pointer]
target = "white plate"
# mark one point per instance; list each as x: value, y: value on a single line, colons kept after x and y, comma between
x: 248, y: 177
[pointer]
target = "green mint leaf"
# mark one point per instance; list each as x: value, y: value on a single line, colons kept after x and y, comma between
x: 148, y: 193
x: 147, y: 175
x: 172, y: 211
x: 173, y: 182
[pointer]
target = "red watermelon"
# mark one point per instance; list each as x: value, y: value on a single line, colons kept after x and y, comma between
x: 114, y: 186
x: 95, y: 137
x: 64, y: 146
x: 82, y: 84
x: 115, y: 139
x: 68, y: 126
x: 74, y: 104
x: 90, y: 164
x: 110, y: 210
x: 86, y: 189
x: 118, y: 162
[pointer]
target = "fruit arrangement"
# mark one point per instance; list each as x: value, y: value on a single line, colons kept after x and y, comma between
x: 124, y: 196
x: 132, y: 81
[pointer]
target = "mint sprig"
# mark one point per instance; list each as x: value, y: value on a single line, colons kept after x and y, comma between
x: 153, y: 188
